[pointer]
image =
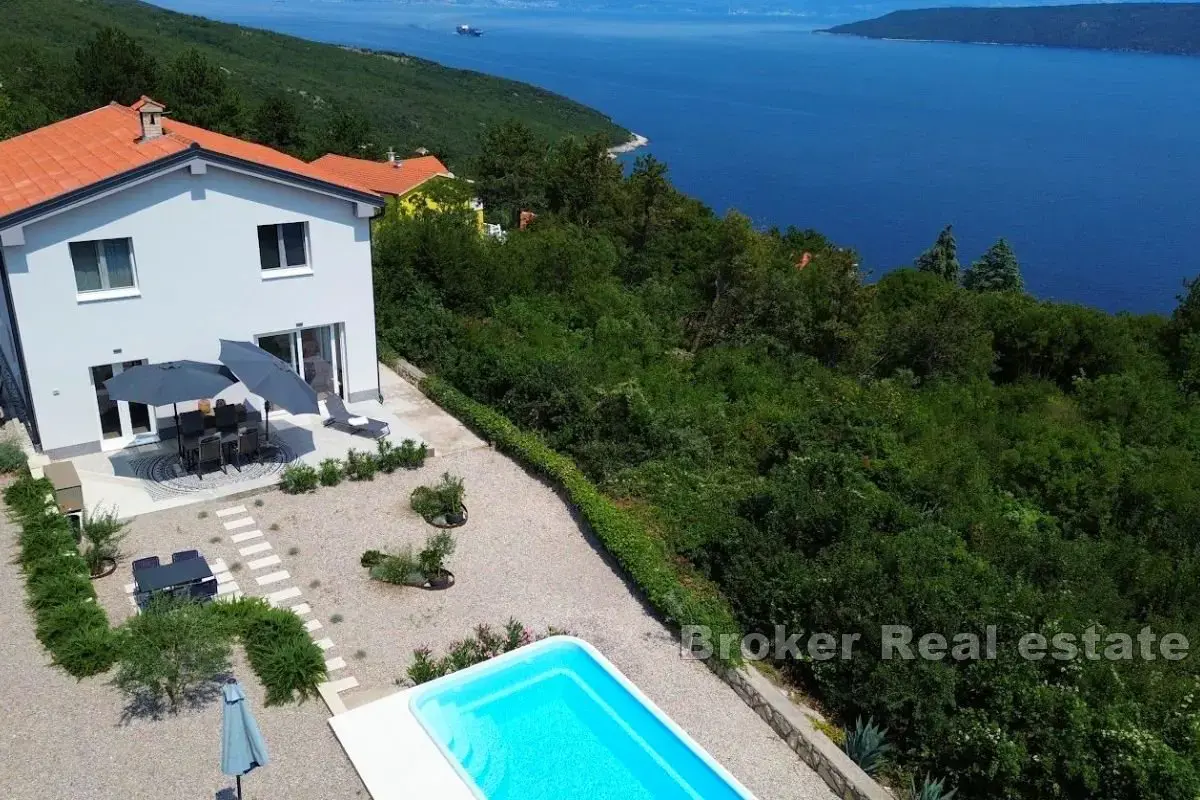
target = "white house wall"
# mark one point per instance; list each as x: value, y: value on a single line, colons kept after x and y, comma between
x: 195, y: 250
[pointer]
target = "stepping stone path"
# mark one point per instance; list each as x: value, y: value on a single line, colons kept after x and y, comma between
x: 242, y: 530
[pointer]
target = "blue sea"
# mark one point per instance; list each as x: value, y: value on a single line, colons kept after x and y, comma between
x: 1086, y: 161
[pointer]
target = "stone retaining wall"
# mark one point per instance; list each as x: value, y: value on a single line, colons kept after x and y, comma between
x: 794, y: 726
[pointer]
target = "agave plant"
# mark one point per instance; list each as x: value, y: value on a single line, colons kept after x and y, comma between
x: 930, y: 790
x: 866, y: 745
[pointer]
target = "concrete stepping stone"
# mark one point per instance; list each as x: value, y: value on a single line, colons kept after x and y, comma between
x: 268, y: 561
x: 245, y: 522
x: 223, y: 577
x: 229, y: 587
x: 343, y: 684
x: 312, y: 625
x: 231, y: 510
x: 254, y: 548
x: 324, y: 644
x: 301, y: 609
x: 275, y: 598
x: 335, y: 663
x: 274, y: 577
x: 218, y: 565
x: 238, y: 538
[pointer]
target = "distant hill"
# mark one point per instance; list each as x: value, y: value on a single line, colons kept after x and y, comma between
x: 1146, y: 27
x: 409, y: 101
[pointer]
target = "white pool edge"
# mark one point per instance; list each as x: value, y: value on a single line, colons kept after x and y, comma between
x: 499, y: 662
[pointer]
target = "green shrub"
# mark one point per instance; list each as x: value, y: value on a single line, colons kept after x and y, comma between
x: 89, y: 651
x: 12, y: 457
x: 361, y: 466
x: 401, y: 568
x: 57, y: 624
x: 440, y: 500
x: 330, y: 472
x: 432, y: 558
x: 371, y: 558
x: 298, y: 478
x: 283, y: 655
x: 482, y: 645
x: 679, y: 595
x: 866, y: 745
x: 103, y: 531
x: 409, y: 455
x: 28, y: 496
x: 59, y: 588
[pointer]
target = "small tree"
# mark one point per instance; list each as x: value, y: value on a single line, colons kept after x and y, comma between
x: 997, y: 270
x: 942, y: 258
x: 197, y: 91
x: 171, y: 650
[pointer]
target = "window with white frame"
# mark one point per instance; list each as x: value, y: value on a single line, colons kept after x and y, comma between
x: 283, y: 246
x: 103, y: 264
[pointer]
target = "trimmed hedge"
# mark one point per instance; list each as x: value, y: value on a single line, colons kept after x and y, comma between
x: 678, y: 594
x: 69, y: 623
x: 75, y: 629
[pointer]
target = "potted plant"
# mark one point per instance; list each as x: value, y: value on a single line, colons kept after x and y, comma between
x: 432, y: 561
x: 103, y: 532
x: 442, y: 504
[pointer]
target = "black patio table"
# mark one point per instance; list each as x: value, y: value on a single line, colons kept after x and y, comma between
x: 172, y: 577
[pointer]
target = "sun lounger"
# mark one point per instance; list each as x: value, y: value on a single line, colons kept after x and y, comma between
x: 339, y: 416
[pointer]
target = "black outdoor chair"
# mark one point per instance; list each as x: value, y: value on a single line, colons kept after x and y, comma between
x: 191, y: 423
x: 145, y: 563
x: 209, y: 450
x: 226, y: 417
x: 247, y: 445
x: 339, y: 416
x: 184, y: 555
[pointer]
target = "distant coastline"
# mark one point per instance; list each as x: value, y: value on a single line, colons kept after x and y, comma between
x: 1164, y: 28
x: 638, y: 141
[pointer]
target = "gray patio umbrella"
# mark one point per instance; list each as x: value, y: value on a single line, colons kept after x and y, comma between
x: 171, y: 382
x: 269, y: 378
x: 242, y: 745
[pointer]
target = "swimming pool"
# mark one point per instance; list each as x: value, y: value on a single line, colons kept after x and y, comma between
x: 556, y: 721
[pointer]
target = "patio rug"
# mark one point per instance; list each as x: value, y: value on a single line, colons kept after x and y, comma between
x: 167, y: 478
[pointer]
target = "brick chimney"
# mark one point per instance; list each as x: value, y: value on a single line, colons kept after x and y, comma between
x: 150, y: 112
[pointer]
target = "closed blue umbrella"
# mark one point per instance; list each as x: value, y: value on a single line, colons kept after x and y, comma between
x: 269, y: 378
x: 242, y: 745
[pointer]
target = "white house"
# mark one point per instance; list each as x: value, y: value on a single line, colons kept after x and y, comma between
x: 128, y: 238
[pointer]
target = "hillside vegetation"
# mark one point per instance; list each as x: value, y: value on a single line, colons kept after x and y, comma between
x: 406, y: 102
x: 938, y: 449
x: 1147, y: 27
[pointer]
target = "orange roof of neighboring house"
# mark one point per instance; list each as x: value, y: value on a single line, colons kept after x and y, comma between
x: 385, y: 177
x: 102, y: 144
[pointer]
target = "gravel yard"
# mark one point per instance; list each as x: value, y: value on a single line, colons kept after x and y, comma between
x: 521, y: 555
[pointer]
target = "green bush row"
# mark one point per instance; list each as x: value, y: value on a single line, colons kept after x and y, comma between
x: 75, y: 629
x: 358, y: 465
x: 680, y: 596
x: 69, y: 622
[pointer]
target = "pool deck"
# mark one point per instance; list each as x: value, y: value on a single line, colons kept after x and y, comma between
x: 395, y: 758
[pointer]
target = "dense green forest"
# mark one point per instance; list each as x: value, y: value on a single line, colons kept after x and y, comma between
x: 1146, y: 27
x: 937, y: 449
x: 253, y: 82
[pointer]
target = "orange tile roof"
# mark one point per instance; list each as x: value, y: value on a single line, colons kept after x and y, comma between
x: 383, y: 176
x: 101, y: 144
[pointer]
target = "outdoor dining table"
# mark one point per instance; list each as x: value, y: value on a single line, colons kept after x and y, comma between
x: 173, y: 577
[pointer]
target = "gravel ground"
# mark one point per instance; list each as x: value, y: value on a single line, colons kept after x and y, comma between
x: 521, y: 555
x: 67, y: 739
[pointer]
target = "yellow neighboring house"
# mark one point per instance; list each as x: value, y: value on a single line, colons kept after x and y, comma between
x: 399, y: 180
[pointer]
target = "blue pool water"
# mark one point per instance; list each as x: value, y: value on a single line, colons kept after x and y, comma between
x: 554, y: 721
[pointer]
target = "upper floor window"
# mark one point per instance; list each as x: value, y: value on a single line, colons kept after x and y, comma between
x: 283, y: 246
x: 103, y: 264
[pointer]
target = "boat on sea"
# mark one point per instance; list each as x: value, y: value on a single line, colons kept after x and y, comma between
x: 467, y: 30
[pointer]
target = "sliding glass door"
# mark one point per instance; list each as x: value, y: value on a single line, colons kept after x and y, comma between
x: 314, y: 353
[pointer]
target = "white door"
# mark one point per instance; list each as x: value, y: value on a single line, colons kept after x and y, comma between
x: 122, y: 423
x: 314, y: 353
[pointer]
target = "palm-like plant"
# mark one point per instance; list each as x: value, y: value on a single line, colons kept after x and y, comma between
x: 866, y: 745
x: 103, y: 532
